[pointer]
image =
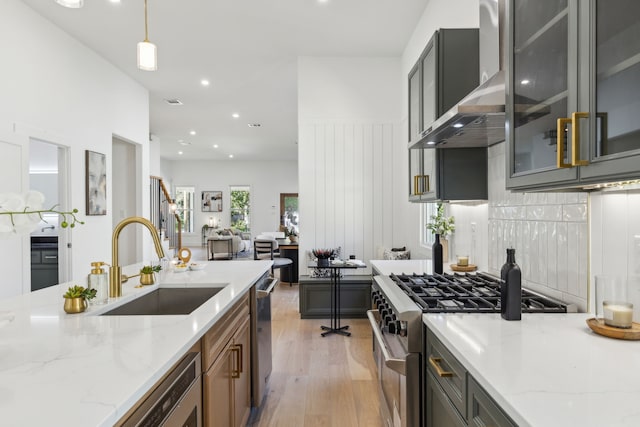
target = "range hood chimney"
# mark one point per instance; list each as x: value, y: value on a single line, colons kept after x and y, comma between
x: 478, y: 120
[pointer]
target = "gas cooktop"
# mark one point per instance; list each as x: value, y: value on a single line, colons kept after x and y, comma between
x: 468, y: 292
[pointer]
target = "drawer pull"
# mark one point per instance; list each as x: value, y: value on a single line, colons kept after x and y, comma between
x: 435, y: 362
x: 50, y: 257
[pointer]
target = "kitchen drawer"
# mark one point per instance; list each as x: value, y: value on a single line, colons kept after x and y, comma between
x: 448, y: 372
x: 50, y: 256
x: 36, y: 257
x: 440, y: 412
x: 483, y: 411
x: 215, y: 340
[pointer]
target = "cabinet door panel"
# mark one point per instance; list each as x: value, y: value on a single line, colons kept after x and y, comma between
x: 242, y: 384
x: 440, y: 412
x: 218, y: 392
x: 415, y: 127
x: 617, y: 31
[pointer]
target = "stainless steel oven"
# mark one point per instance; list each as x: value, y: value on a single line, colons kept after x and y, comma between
x: 397, y: 356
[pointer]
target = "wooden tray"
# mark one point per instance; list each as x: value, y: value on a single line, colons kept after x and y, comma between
x: 467, y: 268
x: 598, y: 326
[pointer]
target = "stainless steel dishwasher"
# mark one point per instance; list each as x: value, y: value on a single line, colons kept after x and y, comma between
x: 176, y: 401
x: 261, y: 361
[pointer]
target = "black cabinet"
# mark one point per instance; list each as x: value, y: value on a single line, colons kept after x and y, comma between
x: 315, y: 297
x: 44, y: 262
x: 572, y: 93
x: 441, y: 77
x: 452, y: 397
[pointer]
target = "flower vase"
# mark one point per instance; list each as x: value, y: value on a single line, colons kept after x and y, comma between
x: 436, y: 254
x: 323, y: 262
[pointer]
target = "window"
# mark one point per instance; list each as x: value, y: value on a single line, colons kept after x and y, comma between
x: 289, y: 215
x: 240, y: 207
x: 426, y: 211
x: 185, y: 201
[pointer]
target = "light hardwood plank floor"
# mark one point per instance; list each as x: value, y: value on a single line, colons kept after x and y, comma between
x: 316, y: 381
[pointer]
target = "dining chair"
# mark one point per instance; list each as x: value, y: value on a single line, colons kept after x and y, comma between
x: 266, y: 249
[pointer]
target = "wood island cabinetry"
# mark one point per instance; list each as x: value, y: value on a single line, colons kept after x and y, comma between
x: 227, y: 368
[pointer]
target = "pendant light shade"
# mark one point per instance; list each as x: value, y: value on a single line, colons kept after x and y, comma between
x: 74, y: 4
x: 147, y: 56
x: 147, y: 51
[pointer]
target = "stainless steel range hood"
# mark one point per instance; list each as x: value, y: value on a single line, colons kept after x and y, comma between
x: 478, y: 120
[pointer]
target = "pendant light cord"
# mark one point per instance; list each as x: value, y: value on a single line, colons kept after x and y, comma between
x: 146, y: 25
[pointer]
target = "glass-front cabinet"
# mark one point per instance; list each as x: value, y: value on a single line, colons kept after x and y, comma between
x: 573, y: 93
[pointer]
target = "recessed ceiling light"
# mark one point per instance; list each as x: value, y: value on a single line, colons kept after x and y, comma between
x: 323, y: 1
x: 215, y: 145
x: 193, y: 132
x: 431, y: 143
x: 458, y: 125
x: 231, y: 156
x: 114, y: 1
x: 254, y: 125
x: 180, y: 152
x: 204, y: 82
x: 524, y: 82
x: 173, y: 101
x: 235, y: 115
x: 73, y: 4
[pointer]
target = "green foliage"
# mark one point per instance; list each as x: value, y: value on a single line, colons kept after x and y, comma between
x: 240, y: 207
x: 441, y: 224
x: 80, y: 292
x: 148, y: 269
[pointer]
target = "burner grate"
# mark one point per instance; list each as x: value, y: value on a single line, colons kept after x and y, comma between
x: 465, y: 292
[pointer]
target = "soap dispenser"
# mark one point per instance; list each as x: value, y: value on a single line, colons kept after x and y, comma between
x: 99, y: 280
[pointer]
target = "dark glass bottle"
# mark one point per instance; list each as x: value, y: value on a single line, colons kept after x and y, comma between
x: 436, y: 253
x: 511, y: 288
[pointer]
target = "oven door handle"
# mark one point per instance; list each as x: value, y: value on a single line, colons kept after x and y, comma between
x: 263, y: 293
x: 397, y: 365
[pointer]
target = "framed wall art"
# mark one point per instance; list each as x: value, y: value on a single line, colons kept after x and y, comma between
x: 96, y: 183
x: 212, y: 201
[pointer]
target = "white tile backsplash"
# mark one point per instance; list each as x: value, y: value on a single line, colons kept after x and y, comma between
x: 548, y: 230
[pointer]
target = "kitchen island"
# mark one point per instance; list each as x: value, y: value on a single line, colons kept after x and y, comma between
x: 547, y: 369
x: 58, y: 369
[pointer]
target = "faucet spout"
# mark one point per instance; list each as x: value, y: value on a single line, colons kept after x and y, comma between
x: 115, y: 271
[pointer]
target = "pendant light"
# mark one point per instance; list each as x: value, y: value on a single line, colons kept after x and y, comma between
x: 147, y: 54
x: 73, y: 4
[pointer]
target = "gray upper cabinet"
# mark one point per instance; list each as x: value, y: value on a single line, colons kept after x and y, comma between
x: 573, y: 92
x: 446, y: 71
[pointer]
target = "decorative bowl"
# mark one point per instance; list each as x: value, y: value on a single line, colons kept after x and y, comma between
x: 196, y: 267
x: 180, y: 268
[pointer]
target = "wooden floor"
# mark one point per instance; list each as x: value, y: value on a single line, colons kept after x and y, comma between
x: 316, y: 381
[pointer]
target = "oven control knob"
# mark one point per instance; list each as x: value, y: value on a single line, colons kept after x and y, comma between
x: 388, y: 319
x: 391, y: 327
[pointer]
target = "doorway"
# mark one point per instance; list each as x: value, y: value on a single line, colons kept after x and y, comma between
x: 289, y: 216
x: 48, y: 174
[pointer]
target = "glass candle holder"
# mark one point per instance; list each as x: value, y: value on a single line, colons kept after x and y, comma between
x: 612, y: 304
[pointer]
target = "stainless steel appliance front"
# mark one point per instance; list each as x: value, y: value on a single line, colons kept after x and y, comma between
x: 176, y: 401
x: 261, y: 358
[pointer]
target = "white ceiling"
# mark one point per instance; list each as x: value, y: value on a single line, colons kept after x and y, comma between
x: 247, y: 49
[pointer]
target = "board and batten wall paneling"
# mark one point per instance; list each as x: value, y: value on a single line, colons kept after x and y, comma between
x: 346, y: 185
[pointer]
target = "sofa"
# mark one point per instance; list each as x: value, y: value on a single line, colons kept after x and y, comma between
x: 220, y: 241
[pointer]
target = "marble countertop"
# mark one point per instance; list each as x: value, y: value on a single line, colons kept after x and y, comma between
x: 58, y: 369
x: 547, y: 369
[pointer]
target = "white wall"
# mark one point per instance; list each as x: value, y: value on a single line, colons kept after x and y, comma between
x: 267, y: 180
x: 348, y: 113
x: 56, y: 90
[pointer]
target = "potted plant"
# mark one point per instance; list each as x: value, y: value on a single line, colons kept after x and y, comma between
x: 323, y: 256
x: 291, y: 234
x: 76, y: 297
x: 441, y: 226
x: 147, y: 276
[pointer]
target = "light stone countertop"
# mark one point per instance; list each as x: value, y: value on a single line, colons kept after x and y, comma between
x: 82, y: 370
x: 547, y: 370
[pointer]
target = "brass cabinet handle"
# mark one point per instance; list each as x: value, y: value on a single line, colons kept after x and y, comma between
x: 240, y: 368
x: 575, y: 140
x: 235, y: 372
x: 435, y: 362
x: 418, y: 189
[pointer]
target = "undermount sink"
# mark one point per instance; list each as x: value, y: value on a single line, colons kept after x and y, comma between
x: 165, y: 301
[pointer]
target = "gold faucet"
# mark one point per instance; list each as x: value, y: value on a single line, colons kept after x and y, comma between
x: 115, y: 272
